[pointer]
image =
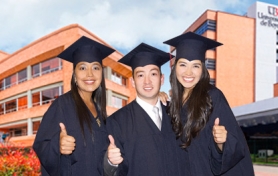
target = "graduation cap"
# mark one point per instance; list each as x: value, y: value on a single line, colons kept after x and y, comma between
x: 143, y: 55
x: 192, y: 46
x: 86, y: 50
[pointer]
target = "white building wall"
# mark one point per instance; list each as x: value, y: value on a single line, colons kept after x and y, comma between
x: 265, y: 49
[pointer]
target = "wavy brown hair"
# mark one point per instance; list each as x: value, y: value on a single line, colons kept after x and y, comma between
x: 83, y: 113
x: 198, y: 106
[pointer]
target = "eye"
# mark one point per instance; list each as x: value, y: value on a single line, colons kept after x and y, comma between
x: 197, y: 66
x: 154, y: 74
x: 182, y: 64
x: 82, y: 67
x: 96, y: 67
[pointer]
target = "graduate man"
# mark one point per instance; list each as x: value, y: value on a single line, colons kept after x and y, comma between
x: 142, y: 129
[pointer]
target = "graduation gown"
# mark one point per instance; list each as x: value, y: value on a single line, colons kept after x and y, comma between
x: 146, y: 150
x: 86, y: 159
x: 203, y: 155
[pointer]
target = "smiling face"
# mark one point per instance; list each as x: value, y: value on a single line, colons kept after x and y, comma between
x: 88, y: 76
x: 188, y: 72
x: 147, y: 81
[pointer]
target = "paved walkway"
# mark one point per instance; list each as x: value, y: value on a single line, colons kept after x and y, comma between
x: 265, y: 170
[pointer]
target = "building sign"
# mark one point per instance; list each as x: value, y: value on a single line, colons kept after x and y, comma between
x: 269, y: 19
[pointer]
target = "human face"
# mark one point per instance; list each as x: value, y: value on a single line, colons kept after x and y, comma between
x: 88, y: 76
x: 188, y: 72
x: 147, y: 81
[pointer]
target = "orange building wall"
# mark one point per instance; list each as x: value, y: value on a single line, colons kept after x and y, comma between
x: 235, y: 60
x: 275, y: 90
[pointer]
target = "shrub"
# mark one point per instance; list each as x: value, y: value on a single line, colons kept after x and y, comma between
x: 18, y: 161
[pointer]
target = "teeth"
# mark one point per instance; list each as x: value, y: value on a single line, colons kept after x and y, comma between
x: 188, y: 79
x: 147, y: 88
x: 89, y: 82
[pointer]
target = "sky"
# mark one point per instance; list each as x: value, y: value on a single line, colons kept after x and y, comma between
x: 122, y: 23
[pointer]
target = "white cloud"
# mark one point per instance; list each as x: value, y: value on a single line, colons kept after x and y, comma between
x: 121, y: 23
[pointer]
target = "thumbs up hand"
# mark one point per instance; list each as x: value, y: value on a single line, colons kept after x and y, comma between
x: 67, y: 143
x: 114, y: 153
x: 219, y: 134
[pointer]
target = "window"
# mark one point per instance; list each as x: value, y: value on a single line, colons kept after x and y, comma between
x: 18, y: 131
x: 10, y: 106
x: 277, y: 37
x: 22, y: 103
x: 36, y: 70
x: 36, y: 126
x: 46, y: 96
x: 49, y: 95
x: 11, y: 81
x: 210, y: 64
x: 207, y: 25
x: 36, y: 99
x: 118, y: 102
x: 277, y: 56
x: 22, y: 76
x: 117, y: 78
x: 212, y: 82
x: 46, y: 67
x: 2, y: 84
x: 2, y: 106
x: 50, y: 65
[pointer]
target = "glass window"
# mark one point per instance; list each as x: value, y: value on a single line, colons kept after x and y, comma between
x: 117, y: 78
x: 50, y: 65
x: 36, y: 70
x: 210, y: 64
x: 2, y: 85
x: 49, y: 95
x: 118, y: 102
x: 36, y: 126
x: 11, y: 81
x: 277, y: 56
x: 207, y: 25
x: 2, y: 108
x: 22, y: 103
x: 10, y: 106
x: 212, y: 82
x: 22, y: 76
x: 36, y: 99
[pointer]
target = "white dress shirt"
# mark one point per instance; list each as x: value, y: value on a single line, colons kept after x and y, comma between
x: 149, y: 108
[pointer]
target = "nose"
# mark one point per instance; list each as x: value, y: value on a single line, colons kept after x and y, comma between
x: 90, y: 73
x: 188, y: 71
x: 147, y: 80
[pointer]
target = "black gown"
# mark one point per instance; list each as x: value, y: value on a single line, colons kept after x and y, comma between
x: 204, y: 158
x: 146, y: 150
x: 86, y: 159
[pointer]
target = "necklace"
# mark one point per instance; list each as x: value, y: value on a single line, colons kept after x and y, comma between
x: 98, y: 122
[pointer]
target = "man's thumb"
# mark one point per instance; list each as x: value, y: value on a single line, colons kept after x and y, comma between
x: 216, y: 122
x: 63, y: 129
x: 111, y: 139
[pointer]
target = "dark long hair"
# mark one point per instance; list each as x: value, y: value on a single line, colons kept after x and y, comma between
x: 198, y: 106
x: 83, y: 113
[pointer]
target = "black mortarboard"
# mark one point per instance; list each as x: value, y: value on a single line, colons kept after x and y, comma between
x: 144, y: 55
x: 87, y: 50
x: 192, y: 46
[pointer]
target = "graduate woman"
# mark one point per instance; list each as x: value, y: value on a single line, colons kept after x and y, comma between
x: 198, y: 109
x: 72, y: 137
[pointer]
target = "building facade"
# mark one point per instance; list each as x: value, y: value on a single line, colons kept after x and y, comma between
x: 245, y: 68
x: 32, y: 77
